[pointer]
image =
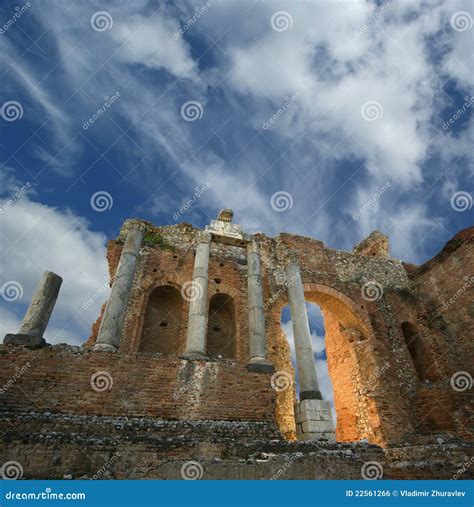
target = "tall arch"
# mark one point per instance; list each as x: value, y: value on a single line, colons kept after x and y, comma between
x: 162, y: 322
x: 359, y: 366
x: 221, y: 327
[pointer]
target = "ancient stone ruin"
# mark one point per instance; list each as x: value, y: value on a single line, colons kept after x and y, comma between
x: 187, y: 367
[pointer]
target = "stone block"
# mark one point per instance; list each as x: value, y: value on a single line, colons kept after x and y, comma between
x: 25, y: 340
x: 317, y: 427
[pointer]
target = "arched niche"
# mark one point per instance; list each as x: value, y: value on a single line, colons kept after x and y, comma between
x: 221, y: 327
x: 162, y: 322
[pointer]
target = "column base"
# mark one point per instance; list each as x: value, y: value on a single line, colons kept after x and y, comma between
x: 314, y: 420
x: 28, y: 341
x: 310, y: 395
x: 194, y: 356
x: 260, y: 365
x: 104, y: 347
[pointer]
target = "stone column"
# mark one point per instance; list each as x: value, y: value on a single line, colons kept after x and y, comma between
x: 110, y: 331
x: 257, y: 338
x: 38, y: 314
x: 312, y: 414
x: 197, y: 317
x: 307, y: 378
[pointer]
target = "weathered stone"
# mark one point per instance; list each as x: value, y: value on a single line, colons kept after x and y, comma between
x: 314, y: 421
x: 375, y: 245
x: 197, y: 317
x: 308, y: 380
x: 39, y: 312
x: 110, y: 331
x: 256, y: 319
x: 25, y: 340
x: 399, y: 361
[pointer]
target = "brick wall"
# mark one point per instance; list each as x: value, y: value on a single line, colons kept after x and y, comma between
x: 376, y: 370
x: 60, y: 379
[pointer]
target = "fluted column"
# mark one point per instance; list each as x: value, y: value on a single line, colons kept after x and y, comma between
x: 257, y: 336
x: 197, y: 317
x: 38, y: 314
x: 110, y: 330
x: 307, y: 378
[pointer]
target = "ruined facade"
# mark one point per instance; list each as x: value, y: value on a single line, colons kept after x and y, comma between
x: 189, y: 350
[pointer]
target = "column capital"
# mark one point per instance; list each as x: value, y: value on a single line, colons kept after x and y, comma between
x: 204, y: 237
x: 289, y: 256
x: 253, y: 247
x: 134, y: 223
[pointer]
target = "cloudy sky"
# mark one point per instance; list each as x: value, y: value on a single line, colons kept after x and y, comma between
x: 326, y: 119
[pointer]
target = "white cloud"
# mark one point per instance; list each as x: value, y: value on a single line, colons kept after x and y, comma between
x: 36, y: 238
x: 150, y: 42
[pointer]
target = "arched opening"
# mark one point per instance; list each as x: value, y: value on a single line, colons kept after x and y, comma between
x: 414, y: 343
x: 356, y: 365
x: 162, y: 323
x: 221, y: 327
x: 317, y: 329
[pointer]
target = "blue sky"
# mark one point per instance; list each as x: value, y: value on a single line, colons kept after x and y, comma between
x: 294, y: 114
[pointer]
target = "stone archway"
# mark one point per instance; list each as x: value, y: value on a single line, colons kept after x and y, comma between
x: 357, y: 367
x: 345, y: 326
